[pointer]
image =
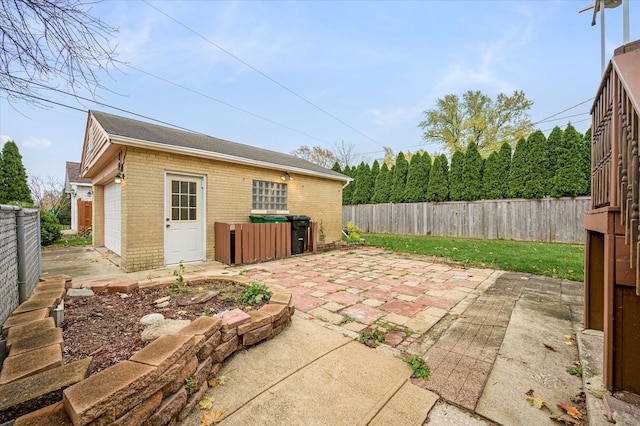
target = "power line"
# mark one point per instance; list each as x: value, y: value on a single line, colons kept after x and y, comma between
x: 262, y: 73
x: 98, y: 103
x: 227, y: 104
x: 28, y: 95
x: 564, y: 118
x: 564, y: 110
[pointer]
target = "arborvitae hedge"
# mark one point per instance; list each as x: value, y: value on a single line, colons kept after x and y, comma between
x: 472, y: 173
x: 492, y: 177
x: 504, y: 168
x: 399, y: 178
x: 347, y: 192
x: 586, y: 160
x: 375, y: 169
x: 13, y: 177
x: 537, y: 166
x: 455, y: 176
x: 438, y: 189
x: 553, y: 145
x: 569, y: 180
x: 380, y: 193
x: 518, y: 172
x: 415, y: 190
x: 364, y: 186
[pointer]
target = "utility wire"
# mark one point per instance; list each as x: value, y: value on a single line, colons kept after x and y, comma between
x: 227, y: 104
x: 262, y: 73
x: 28, y: 95
x: 564, y: 110
x: 100, y: 103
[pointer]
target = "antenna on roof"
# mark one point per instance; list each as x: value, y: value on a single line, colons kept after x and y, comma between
x: 599, y: 6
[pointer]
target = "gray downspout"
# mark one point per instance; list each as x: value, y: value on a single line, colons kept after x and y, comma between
x: 22, y: 256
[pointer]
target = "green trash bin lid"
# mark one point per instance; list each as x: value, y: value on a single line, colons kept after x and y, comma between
x: 274, y: 219
x: 256, y: 219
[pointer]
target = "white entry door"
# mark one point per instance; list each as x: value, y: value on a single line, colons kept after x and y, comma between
x: 112, y: 218
x: 184, y: 219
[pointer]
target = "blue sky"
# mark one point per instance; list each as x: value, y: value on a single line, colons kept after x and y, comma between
x: 375, y: 66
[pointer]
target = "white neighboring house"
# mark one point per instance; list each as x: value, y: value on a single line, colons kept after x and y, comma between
x: 81, y: 192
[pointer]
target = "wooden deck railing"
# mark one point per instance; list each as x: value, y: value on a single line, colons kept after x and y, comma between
x: 245, y: 243
x: 615, y: 178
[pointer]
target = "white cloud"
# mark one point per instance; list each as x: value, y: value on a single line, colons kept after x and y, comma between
x: 37, y: 143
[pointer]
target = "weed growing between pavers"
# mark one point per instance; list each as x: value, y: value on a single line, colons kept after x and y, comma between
x: 419, y: 366
x: 371, y: 338
x: 346, y: 319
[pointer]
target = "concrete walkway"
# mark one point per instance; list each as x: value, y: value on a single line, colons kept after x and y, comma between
x: 491, y: 338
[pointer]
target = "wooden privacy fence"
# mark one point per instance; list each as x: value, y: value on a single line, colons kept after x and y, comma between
x: 557, y: 220
x: 244, y: 243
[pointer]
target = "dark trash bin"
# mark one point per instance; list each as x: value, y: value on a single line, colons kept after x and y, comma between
x: 299, y: 225
x: 232, y: 258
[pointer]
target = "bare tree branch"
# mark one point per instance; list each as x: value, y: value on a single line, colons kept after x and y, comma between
x: 43, y: 41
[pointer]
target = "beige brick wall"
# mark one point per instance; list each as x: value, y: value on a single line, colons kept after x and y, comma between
x: 97, y: 224
x: 228, y: 190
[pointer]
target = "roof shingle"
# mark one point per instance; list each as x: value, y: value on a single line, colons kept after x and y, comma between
x: 125, y: 127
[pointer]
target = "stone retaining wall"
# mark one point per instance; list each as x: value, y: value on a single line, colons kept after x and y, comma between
x: 159, y: 385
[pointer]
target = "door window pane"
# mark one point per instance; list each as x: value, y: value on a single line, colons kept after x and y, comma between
x: 184, y: 201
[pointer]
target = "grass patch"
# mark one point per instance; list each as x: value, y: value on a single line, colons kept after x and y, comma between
x: 550, y: 259
x: 68, y: 240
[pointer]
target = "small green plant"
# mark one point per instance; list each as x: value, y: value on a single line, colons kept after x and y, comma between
x: 206, y: 313
x: 575, y: 371
x: 178, y: 274
x: 420, y: 368
x: 347, y: 319
x: 255, y: 294
x: 321, y: 233
x: 371, y: 337
x: 189, y: 382
x: 352, y: 233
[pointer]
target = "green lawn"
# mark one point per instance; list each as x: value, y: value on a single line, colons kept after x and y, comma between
x: 550, y: 259
x: 71, y: 240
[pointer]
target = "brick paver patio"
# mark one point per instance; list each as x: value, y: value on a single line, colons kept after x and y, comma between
x: 370, y: 287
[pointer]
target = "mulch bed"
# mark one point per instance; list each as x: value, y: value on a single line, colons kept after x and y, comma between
x: 106, y: 326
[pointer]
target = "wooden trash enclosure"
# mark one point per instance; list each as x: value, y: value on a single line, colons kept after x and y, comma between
x: 245, y: 243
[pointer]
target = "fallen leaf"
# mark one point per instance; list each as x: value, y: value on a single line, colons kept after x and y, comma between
x: 569, y: 337
x: 569, y: 343
x: 576, y: 362
x: 551, y: 348
x: 207, y: 402
x: 563, y: 418
x: 211, y: 418
x: 69, y: 261
x: 535, y: 401
x: 571, y: 410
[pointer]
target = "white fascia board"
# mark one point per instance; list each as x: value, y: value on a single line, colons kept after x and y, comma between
x: 123, y: 140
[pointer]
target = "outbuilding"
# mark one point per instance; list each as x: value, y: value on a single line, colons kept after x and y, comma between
x: 157, y: 191
x: 79, y: 190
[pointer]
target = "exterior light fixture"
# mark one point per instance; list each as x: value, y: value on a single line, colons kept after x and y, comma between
x: 89, y: 194
x: 286, y: 176
x: 73, y: 192
x: 119, y: 178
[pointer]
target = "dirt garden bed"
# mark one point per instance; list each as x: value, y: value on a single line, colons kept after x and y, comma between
x: 106, y: 326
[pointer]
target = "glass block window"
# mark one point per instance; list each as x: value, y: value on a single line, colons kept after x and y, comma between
x: 183, y: 200
x: 269, y: 196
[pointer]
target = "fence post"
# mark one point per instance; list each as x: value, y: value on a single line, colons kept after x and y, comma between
x: 22, y: 256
